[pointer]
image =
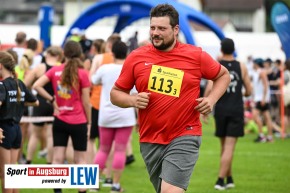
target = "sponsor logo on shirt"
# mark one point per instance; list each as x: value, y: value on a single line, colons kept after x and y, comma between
x: 148, y: 63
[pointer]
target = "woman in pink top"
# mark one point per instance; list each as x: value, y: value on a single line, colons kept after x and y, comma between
x: 71, y: 102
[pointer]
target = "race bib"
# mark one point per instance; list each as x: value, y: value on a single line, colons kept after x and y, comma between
x: 165, y: 80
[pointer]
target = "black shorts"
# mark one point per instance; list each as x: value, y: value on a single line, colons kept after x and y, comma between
x: 61, y: 132
x: 13, y: 135
x: 44, y: 109
x: 94, y: 133
x: 262, y: 108
x: 229, y: 126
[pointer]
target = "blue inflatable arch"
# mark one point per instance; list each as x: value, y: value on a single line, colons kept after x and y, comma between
x: 129, y: 11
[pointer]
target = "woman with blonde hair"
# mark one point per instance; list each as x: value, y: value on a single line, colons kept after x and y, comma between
x: 24, y: 65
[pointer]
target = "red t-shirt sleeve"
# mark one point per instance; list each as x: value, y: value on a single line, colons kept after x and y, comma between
x: 209, y: 67
x: 126, y: 80
x: 50, y: 73
x: 84, y: 79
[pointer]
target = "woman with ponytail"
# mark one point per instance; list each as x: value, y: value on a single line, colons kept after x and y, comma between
x: 24, y: 65
x: 14, y: 96
x: 71, y: 101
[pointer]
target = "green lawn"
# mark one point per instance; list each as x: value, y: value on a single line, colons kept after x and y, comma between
x: 258, y: 168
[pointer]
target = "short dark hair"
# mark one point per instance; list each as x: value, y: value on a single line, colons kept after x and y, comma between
x: 259, y: 62
x: 278, y: 61
x: 20, y: 38
x: 32, y: 44
x: 163, y: 10
x: 269, y: 60
x: 120, y: 50
x: 227, y: 46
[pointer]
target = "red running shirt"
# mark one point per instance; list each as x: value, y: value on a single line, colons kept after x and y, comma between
x: 173, y: 79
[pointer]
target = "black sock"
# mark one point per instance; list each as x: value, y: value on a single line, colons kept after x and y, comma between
x: 220, y: 181
x: 230, y: 180
x: 28, y: 161
x: 57, y: 190
x: 83, y: 191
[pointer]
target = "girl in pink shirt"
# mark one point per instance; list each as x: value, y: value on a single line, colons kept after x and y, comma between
x: 71, y: 102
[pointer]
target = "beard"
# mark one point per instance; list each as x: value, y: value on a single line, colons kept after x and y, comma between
x: 164, y: 45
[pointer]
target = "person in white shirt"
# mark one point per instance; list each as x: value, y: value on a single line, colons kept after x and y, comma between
x: 20, y: 47
x: 115, y: 123
x: 261, y: 98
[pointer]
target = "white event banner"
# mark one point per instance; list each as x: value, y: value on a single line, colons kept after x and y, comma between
x: 51, y: 176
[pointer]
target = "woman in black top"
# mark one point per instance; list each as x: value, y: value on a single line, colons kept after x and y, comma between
x: 53, y: 57
x: 14, y: 96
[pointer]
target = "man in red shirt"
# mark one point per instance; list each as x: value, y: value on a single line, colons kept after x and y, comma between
x: 167, y: 76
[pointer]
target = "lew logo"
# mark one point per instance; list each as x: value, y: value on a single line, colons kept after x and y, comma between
x: 84, y: 176
x: 51, y: 176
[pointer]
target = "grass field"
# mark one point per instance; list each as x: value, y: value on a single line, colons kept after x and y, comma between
x: 258, y: 168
